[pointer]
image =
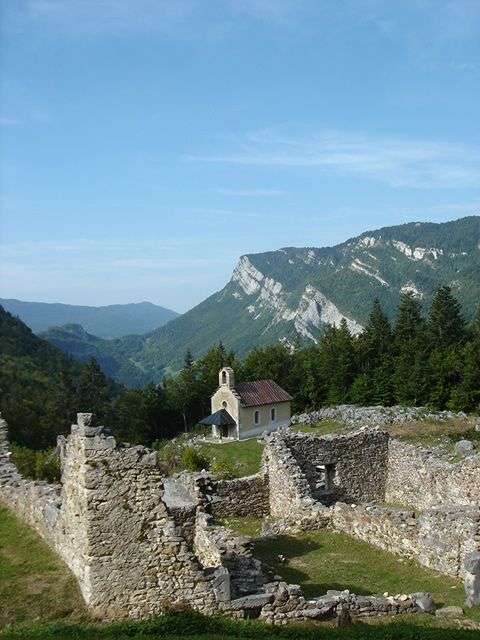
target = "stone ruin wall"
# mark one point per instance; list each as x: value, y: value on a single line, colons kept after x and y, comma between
x: 372, y: 471
x: 419, y: 477
x: 359, y: 459
x: 139, y: 543
x: 247, y: 496
x: 111, y: 527
x: 359, y: 469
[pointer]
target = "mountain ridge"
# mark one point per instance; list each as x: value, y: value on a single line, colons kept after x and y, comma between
x: 292, y: 294
x: 106, y: 321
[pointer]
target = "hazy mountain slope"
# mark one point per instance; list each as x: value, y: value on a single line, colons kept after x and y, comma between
x: 112, y: 355
x: 111, y: 321
x: 17, y: 341
x: 293, y: 293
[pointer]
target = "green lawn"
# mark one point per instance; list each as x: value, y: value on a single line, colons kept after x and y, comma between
x: 325, y: 559
x: 243, y: 456
x: 39, y: 599
x: 34, y: 584
x: 321, y: 428
x: 192, y: 626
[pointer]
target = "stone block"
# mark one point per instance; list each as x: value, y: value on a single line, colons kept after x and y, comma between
x: 424, y: 601
x: 471, y: 562
x: 86, y: 419
x: 449, y: 612
x: 471, y: 583
x: 254, y: 601
x: 464, y: 448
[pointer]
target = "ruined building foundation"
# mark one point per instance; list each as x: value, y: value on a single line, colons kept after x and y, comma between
x: 139, y: 543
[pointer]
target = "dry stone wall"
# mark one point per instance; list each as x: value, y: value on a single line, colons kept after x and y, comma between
x: 395, y: 530
x: 376, y: 416
x: 422, y: 479
x: 351, y: 467
x: 111, y: 526
x: 247, y: 496
x: 289, y: 491
x: 217, y: 546
x: 139, y: 542
x: 446, y: 536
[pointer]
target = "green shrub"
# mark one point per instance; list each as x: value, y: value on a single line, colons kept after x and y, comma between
x: 223, y: 469
x: 37, y: 465
x: 170, y: 456
x: 193, y: 460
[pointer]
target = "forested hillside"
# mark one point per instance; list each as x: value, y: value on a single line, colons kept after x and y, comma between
x: 111, y: 321
x: 421, y: 358
x: 293, y: 295
x: 41, y: 388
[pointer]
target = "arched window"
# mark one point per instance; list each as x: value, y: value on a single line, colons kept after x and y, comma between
x: 224, y: 377
x: 256, y: 417
x: 224, y: 404
x: 272, y: 414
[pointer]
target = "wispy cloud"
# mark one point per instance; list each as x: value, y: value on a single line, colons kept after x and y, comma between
x: 250, y: 193
x: 399, y: 162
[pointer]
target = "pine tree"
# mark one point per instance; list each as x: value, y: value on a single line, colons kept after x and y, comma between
x: 466, y: 396
x: 410, y: 378
x: 447, y: 334
x: 376, y: 341
x: 409, y: 322
x: 92, y: 392
x: 338, y: 363
x: 375, y: 357
x: 445, y: 322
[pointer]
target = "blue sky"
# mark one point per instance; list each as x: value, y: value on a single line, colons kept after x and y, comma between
x: 147, y: 144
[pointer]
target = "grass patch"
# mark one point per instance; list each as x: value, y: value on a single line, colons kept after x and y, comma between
x: 245, y: 525
x: 34, y: 583
x: 321, y: 428
x: 322, y: 560
x: 243, y: 456
x: 193, y: 626
x: 436, y: 432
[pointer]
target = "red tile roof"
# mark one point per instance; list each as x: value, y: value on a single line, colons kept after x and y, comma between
x: 260, y: 392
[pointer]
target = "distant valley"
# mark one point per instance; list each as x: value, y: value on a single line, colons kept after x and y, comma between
x: 110, y: 321
x: 292, y: 294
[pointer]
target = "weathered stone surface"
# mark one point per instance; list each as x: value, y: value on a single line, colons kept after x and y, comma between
x: 306, y: 470
x: 254, y: 601
x: 471, y: 583
x: 423, y: 478
x: 86, y: 419
x: 424, y: 601
x: 377, y: 416
x: 248, y: 496
x: 449, y: 612
x: 472, y: 562
x: 464, y: 448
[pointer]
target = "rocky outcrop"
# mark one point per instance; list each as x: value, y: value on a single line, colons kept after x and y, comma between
x: 355, y: 416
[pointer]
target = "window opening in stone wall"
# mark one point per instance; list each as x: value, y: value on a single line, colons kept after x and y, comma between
x: 256, y: 417
x: 224, y: 377
x: 272, y: 415
x: 325, y: 479
x: 224, y: 404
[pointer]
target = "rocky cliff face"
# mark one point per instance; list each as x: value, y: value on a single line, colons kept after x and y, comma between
x: 267, y: 295
x: 292, y: 294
